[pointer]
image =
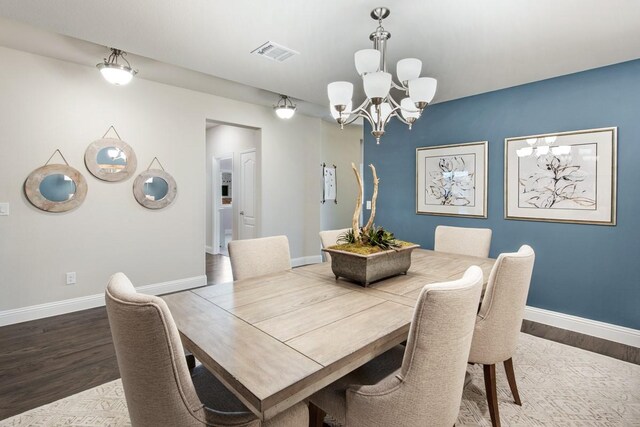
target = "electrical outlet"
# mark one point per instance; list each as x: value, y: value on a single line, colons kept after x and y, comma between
x: 368, y: 204
x: 4, y: 209
x: 71, y: 278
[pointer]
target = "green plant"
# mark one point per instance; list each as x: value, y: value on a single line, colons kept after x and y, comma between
x: 374, y: 236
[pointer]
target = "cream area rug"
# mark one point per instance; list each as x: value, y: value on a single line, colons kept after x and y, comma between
x: 559, y: 386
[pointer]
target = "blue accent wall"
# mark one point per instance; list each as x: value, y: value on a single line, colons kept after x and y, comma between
x: 589, y: 271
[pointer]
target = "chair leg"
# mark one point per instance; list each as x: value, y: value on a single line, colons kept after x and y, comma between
x: 191, y: 361
x: 511, y: 377
x: 316, y: 416
x: 492, y: 396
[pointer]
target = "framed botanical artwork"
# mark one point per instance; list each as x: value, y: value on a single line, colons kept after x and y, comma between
x: 562, y: 177
x: 452, y: 180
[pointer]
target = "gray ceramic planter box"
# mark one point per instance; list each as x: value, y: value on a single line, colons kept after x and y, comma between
x: 365, y: 269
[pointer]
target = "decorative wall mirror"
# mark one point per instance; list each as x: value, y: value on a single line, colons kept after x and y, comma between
x: 56, y: 187
x: 110, y: 159
x: 155, y: 188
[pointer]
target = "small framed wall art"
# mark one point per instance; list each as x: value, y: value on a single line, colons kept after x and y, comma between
x: 562, y: 177
x: 452, y: 180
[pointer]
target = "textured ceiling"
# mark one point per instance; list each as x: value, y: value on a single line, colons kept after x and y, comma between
x: 470, y: 46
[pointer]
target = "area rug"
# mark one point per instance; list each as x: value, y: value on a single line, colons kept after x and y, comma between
x: 559, y: 386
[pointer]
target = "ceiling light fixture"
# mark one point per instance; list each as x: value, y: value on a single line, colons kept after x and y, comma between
x: 114, y: 72
x: 285, y: 108
x: 380, y: 107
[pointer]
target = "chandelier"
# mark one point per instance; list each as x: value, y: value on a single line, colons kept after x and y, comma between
x: 113, y: 71
x: 380, y: 106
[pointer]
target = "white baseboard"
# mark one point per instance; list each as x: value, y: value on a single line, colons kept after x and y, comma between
x: 33, y: 312
x: 297, y: 262
x: 209, y: 250
x: 594, y: 328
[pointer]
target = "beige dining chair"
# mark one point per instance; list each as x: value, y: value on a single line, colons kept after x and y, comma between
x: 499, y: 321
x: 255, y: 257
x: 158, y: 387
x: 463, y: 240
x: 330, y: 238
x: 422, y: 384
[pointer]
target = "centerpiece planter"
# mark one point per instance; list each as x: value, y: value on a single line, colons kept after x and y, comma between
x: 365, y: 269
x: 367, y: 254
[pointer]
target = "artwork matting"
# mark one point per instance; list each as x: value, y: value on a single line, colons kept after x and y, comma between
x: 451, y: 180
x: 573, y: 180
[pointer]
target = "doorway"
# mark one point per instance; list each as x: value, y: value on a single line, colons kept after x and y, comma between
x: 233, y: 185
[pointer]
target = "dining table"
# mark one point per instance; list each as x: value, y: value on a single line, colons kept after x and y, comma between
x: 274, y: 340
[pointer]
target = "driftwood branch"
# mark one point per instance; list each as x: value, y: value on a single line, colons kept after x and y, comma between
x: 356, y: 214
x: 373, y: 199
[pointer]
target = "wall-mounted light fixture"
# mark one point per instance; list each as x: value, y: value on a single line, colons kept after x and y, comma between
x: 115, y: 72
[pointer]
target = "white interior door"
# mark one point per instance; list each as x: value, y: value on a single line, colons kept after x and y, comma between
x: 247, y: 205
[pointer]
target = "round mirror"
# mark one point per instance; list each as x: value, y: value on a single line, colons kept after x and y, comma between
x: 154, y: 189
x: 55, y: 188
x: 110, y: 159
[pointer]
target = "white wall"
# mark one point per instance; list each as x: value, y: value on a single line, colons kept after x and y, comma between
x: 223, y: 140
x: 341, y: 147
x: 47, y: 104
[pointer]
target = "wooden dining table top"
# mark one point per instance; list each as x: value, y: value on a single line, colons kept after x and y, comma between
x: 274, y: 340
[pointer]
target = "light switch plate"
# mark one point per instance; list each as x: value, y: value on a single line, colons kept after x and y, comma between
x: 369, y: 204
x: 4, y: 209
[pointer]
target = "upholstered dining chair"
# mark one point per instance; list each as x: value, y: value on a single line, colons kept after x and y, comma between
x: 158, y: 387
x: 499, y: 321
x: 330, y: 238
x: 255, y: 257
x: 463, y: 240
x: 420, y: 384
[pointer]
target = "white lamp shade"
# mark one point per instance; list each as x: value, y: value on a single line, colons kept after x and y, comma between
x: 385, y: 110
x: 408, y: 109
x: 285, y: 112
x: 340, y: 93
x: 367, y: 61
x: 116, y: 76
x: 347, y: 111
x: 408, y: 69
x: 377, y: 85
x: 422, y: 89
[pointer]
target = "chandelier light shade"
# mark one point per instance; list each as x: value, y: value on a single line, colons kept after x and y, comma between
x: 380, y: 106
x: 116, y: 69
x: 285, y: 108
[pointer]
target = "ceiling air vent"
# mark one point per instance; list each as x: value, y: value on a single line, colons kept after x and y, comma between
x: 274, y: 51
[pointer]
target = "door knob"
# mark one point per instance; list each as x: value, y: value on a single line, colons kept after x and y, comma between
x: 241, y: 212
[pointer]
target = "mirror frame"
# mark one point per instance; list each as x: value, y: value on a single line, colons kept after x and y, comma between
x: 91, y: 154
x: 35, y: 197
x: 138, y: 189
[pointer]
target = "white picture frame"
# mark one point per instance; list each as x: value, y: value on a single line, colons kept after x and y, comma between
x: 568, y: 177
x: 451, y: 180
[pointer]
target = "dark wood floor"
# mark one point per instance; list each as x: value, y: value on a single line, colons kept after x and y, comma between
x: 45, y: 360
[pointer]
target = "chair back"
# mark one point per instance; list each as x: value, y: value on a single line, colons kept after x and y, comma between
x: 500, y: 317
x: 463, y: 240
x: 156, y: 380
x: 330, y: 238
x: 255, y: 257
x: 435, y: 359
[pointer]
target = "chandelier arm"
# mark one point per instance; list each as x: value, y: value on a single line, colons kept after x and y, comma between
x: 393, y: 113
x: 363, y: 106
x: 352, y: 118
x: 398, y: 86
x: 399, y: 117
x: 365, y: 114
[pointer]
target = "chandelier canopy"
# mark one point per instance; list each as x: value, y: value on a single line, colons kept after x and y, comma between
x: 380, y: 106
